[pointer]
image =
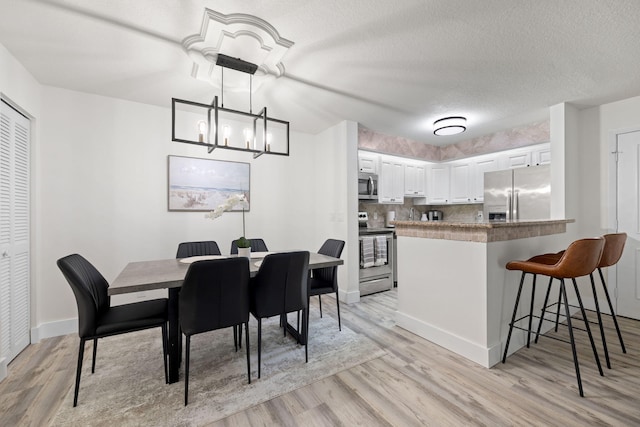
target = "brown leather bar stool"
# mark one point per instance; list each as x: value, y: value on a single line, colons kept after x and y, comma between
x: 613, y: 248
x: 581, y: 258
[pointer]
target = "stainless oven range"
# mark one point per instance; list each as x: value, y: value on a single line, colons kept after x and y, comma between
x: 376, y: 260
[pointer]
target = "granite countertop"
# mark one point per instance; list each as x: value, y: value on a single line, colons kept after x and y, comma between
x: 481, y: 224
x: 483, y: 232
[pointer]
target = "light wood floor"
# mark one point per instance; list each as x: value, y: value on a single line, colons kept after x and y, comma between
x: 416, y: 383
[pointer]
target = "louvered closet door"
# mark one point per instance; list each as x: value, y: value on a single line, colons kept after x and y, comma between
x: 14, y: 232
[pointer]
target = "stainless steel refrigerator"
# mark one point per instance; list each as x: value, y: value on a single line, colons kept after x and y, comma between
x: 518, y: 194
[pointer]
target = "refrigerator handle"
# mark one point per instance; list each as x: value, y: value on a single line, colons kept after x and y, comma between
x: 509, y: 205
x: 516, y: 210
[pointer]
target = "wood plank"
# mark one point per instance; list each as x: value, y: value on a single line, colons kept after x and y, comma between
x: 415, y: 383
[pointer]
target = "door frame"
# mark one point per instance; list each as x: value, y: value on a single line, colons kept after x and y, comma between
x: 4, y: 371
x: 612, y: 213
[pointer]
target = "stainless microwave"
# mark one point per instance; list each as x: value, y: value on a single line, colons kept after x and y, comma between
x: 367, y: 186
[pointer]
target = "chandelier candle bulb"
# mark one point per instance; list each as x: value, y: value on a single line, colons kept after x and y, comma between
x: 247, y: 136
x: 226, y: 131
x: 202, y: 130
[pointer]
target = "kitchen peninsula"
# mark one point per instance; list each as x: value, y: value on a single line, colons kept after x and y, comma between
x: 455, y: 289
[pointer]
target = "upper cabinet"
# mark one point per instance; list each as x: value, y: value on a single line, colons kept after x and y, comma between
x: 391, y: 181
x: 541, y: 155
x: 414, y: 180
x: 459, y: 181
x: 528, y: 156
x: 438, y: 182
x: 368, y: 162
x: 467, y: 179
x: 460, y: 185
x: 482, y: 165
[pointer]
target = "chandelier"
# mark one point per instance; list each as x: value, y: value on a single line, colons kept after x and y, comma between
x: 214, y: 126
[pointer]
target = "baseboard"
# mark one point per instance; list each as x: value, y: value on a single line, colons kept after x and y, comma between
x: 485, y: 356
x: 472, y: 351
x: 54, y: 329
x: 349, y: 297
x: 3, y: 368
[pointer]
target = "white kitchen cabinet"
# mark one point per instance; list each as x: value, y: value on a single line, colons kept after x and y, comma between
x: 414, y: 180
x: 438, y: 182
x: 541, y: 155
x: 391, y: 182
x: 368, y: 162
x: 517, y: 159
x: 460, y: 185
x: 482, y: 165
x: 467, y: 179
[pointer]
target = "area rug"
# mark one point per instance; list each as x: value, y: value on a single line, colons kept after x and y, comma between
x: 128, y: 387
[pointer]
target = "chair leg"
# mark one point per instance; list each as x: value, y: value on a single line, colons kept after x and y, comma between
x: 533, y: 295
x: 513, y: 318
x: 558, y: 310
x: 246, y: 327
x: 544, y: 310
x: 320, y: 304
x: 235, y: 337
x: 95, y: 351
x: 586, y: 324
x: 78, y: 372
x: 338, y: 308
x: 186, y: 369
x: 604, y: 340
x: 563, y: 292
x: 259, y: 345
x: 240, y: 337
x: 305, y: 327
x: 613, y: 313
x: 283, y: 321
x: 165, y: 351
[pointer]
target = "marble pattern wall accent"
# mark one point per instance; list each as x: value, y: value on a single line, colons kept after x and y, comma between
x: 396, y: 145
x: 533, y: 133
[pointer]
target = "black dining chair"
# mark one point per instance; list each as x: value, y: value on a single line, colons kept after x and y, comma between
x: 257, y: 245
x: 189, y: 249
x: 214, y: 295
x: 98, y: 319
x: 325, y: 280
x: 280, y: 287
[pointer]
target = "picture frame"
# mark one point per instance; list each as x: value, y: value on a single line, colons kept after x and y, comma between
x: 201, y: 185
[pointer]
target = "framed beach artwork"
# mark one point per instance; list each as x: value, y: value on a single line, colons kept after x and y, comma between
x: 204, y: 184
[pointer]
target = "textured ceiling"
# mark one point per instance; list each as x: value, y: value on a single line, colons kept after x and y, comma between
x: 393, y: 66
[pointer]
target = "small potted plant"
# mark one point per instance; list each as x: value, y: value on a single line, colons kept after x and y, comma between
x: 244, y: 247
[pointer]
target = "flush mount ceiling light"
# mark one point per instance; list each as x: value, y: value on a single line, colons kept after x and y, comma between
x: 450, y: 125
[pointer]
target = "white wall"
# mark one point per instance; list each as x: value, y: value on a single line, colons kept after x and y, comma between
x: 336, y: 203
x: 598, y: 126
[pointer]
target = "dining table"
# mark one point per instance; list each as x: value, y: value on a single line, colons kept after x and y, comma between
x: 169, y: 274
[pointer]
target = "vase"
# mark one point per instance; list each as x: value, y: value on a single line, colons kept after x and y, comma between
x: 244, y: 252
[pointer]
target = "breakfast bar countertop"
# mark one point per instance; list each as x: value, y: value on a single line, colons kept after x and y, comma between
x: 481, y: 231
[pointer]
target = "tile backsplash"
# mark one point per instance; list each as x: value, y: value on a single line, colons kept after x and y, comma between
x: 378, y: 212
